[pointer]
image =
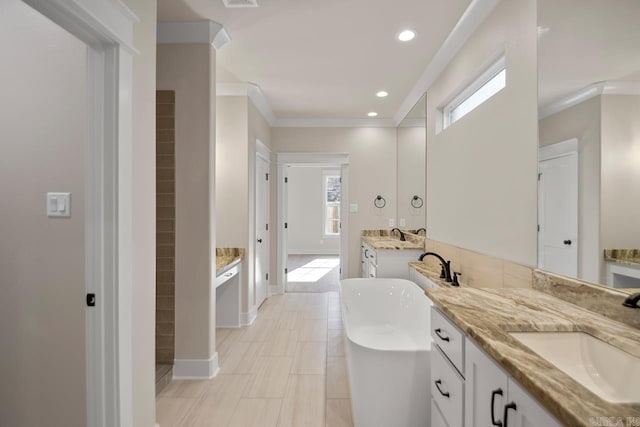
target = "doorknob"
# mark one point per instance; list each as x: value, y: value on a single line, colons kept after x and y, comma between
x: 259, y: 240
x: 567, y: 242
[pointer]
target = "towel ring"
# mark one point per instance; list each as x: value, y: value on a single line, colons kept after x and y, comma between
x: 417, y: 202
x: 379, y: 202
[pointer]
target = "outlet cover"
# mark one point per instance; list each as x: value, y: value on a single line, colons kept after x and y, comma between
x: 353, y: 208
x: 392, y: 222
x: 402, y: 222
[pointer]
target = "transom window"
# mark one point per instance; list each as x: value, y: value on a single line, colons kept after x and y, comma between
x: 492, y: 81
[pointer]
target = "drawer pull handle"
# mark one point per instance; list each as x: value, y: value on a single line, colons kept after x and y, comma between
x: 439, y: 334
x: 444, y: 393
x: 511, y: 405
x: 495, y: 393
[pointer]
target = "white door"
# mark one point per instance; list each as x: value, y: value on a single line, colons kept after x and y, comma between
x: 262, y: 230
x: 558, y: 215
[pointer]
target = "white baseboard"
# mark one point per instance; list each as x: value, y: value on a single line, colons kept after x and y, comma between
x: 314, y: 251
x: 195, y: 369
x: 247, y: 319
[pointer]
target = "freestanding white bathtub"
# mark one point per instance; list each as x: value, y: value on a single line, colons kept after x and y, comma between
x: 386, y: 324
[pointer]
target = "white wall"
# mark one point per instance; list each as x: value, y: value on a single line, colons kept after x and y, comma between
x: 144, y: 212
x: 372, y: 171
x: 412, y: 158
x: 42, y: 283
x: 481, y: 171
x: 239, y: 125
x: 620, y: 193
x: 582, y: 121
x: 189, y: 69
x: 306, y: 213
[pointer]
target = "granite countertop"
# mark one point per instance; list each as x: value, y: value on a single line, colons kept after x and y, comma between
x: 390, y: 242
x: 422, y: 268
x: 623, y: 256
x: 488, y: 315
x: 227, y: 256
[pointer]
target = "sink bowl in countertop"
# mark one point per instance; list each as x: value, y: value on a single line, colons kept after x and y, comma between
x: 607, y: 371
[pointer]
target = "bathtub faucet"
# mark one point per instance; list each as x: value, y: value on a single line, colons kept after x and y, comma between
x: 446, y: 265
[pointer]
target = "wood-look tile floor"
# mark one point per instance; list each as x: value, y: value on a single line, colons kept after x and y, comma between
x: 287, y: 369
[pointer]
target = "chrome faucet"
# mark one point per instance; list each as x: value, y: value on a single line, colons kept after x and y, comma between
x: 402, y: 238
x: 446, y: 265
x: 632, y: 301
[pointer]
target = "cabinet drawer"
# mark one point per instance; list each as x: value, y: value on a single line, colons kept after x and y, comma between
x: 447, y: 388
x: 372, y: 256
x: 449, y: 338
x: 226, y: 276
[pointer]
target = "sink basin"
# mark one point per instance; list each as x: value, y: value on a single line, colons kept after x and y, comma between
x: 602, y: 368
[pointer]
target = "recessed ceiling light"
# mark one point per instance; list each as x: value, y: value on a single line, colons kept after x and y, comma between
x: 372, y: 114
x: 406, y: 35
x: 382, y: 94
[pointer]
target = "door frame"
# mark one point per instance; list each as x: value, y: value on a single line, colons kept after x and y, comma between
x: 569, y: 147
x: 106, y: 27
x: 327, y: 160
x: 262, y: 152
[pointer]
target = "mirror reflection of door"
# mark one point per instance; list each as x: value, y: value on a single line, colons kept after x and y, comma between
x: 558, y: 209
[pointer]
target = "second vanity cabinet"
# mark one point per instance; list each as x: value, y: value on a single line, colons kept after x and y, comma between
x: 469, y: 389
x: 387, y: 263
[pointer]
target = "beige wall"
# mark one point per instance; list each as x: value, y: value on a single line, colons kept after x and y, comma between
x: 372, y: 171
x: 189, y: 69
x: 306, y: 213
x: 144, y: 205
x: 42, y: 271
x: 412, y: 157
x: 240, y: 124
x: 582, y: 121
x: 620, y: 196
x: 481, y: 171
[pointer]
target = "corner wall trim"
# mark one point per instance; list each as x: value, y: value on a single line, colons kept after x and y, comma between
x: 247, y: 318
x: 195, y: 369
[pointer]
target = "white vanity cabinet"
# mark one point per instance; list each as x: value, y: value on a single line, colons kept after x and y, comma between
x: 386, y: 263
x: 490, y: 396
x: 494, y: 398
x: 419, y: 279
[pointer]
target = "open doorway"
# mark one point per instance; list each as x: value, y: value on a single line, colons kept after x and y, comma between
x: 313, y: 229
x: 313, y: 226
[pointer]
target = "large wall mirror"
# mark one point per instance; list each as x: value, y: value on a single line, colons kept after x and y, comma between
x: 412, y: 149
x: 589, y: 134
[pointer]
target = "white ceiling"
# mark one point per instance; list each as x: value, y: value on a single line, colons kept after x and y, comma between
x: 587, y: 41
x: 326, y: 59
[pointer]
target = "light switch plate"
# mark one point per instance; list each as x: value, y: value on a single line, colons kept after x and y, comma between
x: 392, y: 222
x: 353, y: 208
x: 402, y: 222
x: 58, y: 205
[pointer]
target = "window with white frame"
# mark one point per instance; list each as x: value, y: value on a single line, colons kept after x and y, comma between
x: 492, y: 81
x: 331, y: 195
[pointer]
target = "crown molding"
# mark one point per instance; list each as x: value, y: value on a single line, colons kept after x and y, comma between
x: 335, y: 123
x: 591, y: 91
x: 193, y: 32
x: 253, y: 92
x: 471, y: 19
x: 413, y: 123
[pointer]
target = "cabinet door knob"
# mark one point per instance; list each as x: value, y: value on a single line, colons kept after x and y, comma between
x: 259, y: 240
x: 567, y: 242
x: 511, y: 405
x: 495, y: 393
